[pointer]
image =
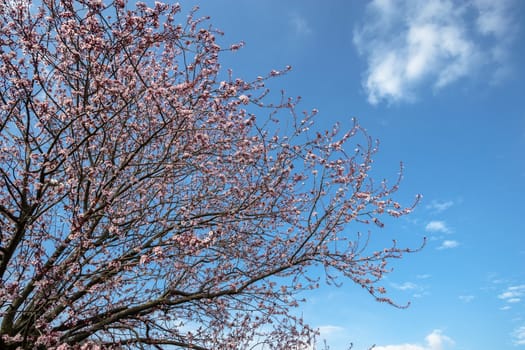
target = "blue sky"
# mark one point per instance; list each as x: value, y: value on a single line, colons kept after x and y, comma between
x: 442, y: 85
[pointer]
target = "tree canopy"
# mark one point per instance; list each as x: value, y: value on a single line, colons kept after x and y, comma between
x: 150, y: 199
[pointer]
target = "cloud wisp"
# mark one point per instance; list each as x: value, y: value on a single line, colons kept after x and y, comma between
x: 328, y: 330
x: 519, y: 336
x: 409, y: 44
x: 434, y: 341
x: 438, y: 207
x: 466, y: 298
x: 513, y: 294
x: 448, y: 244
x: 300, y: 25
x: 405, y: 286
x: 417, y: 290
x: 437, y: 226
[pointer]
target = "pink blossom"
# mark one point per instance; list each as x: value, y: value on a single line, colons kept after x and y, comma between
x: 140, y: 196
x: 244, y: 99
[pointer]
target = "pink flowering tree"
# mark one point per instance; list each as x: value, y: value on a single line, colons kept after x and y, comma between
x: 144, y: 204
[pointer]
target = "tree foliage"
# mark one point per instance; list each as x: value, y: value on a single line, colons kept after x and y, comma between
x: 143, y: 204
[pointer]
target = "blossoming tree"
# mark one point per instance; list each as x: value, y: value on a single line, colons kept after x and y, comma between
x: 143, y: 204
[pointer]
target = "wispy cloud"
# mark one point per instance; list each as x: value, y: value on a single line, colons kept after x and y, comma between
x: 513, y: 294
x: 299, y: 24
x: 466, y: 298
x: 495, y: 20
x: 519, y: 336
x: 409, y: 44
x: 438, y: 206
x: 448, y: 244
x: 438, y: 341
x: 423, y: 276
x: 328, y: 330
x: 405, y: 286
x: 331, y: 334
x: 434, y: 341
x: 437, y: 226
x: 417, y: 290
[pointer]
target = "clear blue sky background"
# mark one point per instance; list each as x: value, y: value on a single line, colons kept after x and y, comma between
x: 442, y: 85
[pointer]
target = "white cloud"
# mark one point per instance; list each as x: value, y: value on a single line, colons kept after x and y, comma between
x: 448, y: 244
x: 466, y: 298
x: 331, y: 334
x: 328, y: 330
x: 519, y: 336
x: 434, y: 341
x: 437, y: 341
x: 513, y: 294
x: 405, y: 286
x: 437, y: 226
x: 299, y: 24
x: 412, y: 43
x: 438, y: 206
x: 400, y: 347
x: 418, y: 291
x: 492, y: 17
